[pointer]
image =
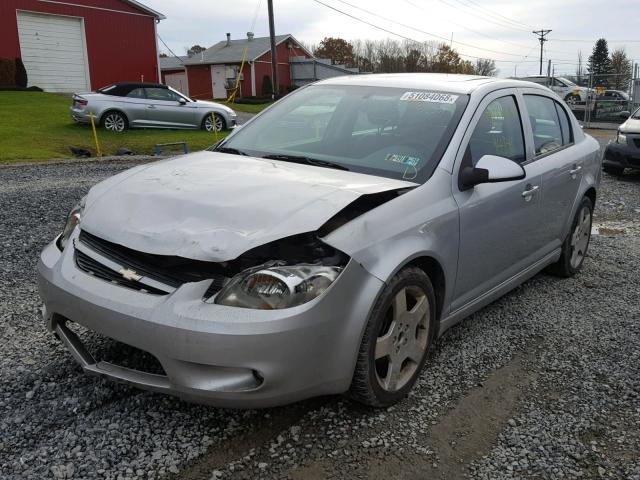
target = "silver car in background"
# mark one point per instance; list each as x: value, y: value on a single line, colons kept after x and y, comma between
x: 326, y: 244
x: 125, y: 105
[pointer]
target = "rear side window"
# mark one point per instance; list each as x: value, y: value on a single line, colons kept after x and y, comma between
x: 565, y: 125
x: 545, y: 123
x: 498, y: 132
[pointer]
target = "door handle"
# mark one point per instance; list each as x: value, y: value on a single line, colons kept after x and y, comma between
x: 530, y: 192
x: 574, y: 171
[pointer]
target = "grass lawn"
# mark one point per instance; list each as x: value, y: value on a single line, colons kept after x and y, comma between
x: 37, y: 126
x: 245, y: 107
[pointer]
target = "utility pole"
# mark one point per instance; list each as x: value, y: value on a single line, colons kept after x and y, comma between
x: 541, y: 34
x: 274, y: 56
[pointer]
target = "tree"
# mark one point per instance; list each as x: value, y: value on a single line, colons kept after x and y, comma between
x: 486, y: 67
x: 195, y: 50
x: 600, y: 63
x: 163, y: 55
x: 21, y: 73
x: 620, y: 69
x: 447, y: 60
x: 337, y: 49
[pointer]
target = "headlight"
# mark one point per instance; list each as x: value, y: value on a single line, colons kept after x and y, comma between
x: 73, y: 220
x: 276, y: 287
x: 621, y: 138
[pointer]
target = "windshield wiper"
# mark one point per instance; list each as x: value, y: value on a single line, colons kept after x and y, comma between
x: 231, y: 150
x: 306, y: 161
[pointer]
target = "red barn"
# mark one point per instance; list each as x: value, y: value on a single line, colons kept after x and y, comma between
x: 211, y: 73
x: 79, y: 45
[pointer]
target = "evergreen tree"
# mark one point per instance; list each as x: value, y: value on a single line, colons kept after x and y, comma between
x: 600, y: 63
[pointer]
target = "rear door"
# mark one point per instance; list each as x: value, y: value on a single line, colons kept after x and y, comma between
x: 499, y: 222
x: 553, y: 142
x: 165, y: 110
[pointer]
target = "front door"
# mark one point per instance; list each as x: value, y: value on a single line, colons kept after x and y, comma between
x: 165, y: 110
x: 499, y: 222
x: 218, y: 77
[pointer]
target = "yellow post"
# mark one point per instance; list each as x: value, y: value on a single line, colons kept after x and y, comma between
x: 95, y: 135
x: 213, y: 124
x: 232, y: 97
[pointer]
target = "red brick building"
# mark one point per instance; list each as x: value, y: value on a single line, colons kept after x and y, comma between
x: 210, y: 73
x: 80, y: 45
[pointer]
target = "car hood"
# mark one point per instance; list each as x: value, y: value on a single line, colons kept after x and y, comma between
x: 632, y: 125
x: 205, y: 104
x: 214, y: 206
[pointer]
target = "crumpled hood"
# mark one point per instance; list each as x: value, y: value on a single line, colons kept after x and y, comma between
x: 214, y: 206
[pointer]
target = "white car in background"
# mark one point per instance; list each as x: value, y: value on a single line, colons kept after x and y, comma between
x: 575, y: 95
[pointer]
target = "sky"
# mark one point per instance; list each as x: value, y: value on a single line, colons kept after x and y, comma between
x: 496, y: 29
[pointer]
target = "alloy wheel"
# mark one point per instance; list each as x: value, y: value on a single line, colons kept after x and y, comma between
x: 208, y: 124
x: 114, y: 122
x: 403, y: 338
x: 580, y: 237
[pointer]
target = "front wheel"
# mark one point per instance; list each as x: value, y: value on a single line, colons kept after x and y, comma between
x: 396, y: 340
x: 217, y: 123
x: 574, y: 248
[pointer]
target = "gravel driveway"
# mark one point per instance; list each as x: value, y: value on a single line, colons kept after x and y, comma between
x: 544, y: 383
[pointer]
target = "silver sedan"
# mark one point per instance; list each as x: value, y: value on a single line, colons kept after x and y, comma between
x: 149, y: 105
x: 325, y: 245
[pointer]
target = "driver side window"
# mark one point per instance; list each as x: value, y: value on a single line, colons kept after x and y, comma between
x: 499, y: 132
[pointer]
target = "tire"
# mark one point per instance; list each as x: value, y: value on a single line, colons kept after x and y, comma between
x: 574, y: 247
x: 114, y: 121
x: 397, y: 340
x: 220, y: 123
x: 572, y: 99
x: 613, y: 170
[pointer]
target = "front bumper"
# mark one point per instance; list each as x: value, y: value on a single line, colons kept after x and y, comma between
x: 622, y: 155
x: 223, y: 356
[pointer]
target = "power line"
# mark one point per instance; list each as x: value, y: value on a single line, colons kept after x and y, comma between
x: 541, y: 34
x: 167, y: 47
x: 417, y: 29
x: 516, y: 22
x: 487, y: 17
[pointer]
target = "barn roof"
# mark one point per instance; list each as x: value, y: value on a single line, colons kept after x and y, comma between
x: 172, y: 63
x: 222, y: 52
x: 145, y: 9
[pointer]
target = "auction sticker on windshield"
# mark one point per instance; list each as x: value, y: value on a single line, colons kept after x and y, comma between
x: 432, y: 97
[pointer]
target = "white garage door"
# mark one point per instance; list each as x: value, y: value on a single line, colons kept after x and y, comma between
x: 53, y: 52
x: 177, y: 81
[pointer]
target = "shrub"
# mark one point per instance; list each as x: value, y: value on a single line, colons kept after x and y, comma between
x: 21, y: 73
x: 32, y: 88
x: 267, y: 86
x: 7, y: 72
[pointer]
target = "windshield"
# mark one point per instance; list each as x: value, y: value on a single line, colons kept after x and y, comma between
x: 397, y: 133
x: 180, y: 93
x: 636, y: 114
x: 568, y: 82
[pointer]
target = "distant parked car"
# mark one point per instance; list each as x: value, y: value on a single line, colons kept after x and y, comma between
x: 624, y: 151
x: 575, y: 95
x: 150, y: 105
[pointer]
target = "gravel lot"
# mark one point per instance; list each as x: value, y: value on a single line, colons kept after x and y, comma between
x: 544, y: 383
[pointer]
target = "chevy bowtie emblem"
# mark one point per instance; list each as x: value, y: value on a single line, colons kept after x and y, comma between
x: 129, y: 274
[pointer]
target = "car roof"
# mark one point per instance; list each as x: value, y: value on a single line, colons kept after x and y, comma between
x: 121, y: 89
x: 454, y: 83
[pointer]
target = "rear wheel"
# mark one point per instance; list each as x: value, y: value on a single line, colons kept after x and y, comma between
x: 613, y: 170
x: 115, y: 121
x: 574, y: 248
x: 217, y: 122
x: 396, y: 340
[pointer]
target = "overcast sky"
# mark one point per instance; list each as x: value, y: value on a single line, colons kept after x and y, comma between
x: 496, y: 29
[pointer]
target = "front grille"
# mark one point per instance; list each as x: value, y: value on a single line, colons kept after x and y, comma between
x: 169, y: 270
x: 95, y: 268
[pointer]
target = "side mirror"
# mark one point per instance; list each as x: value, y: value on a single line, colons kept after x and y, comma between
x: 182, y: 101
x: 491, y: 169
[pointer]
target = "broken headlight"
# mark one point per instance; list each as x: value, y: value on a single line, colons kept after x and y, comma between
x: 279, y: 286
x: 73, y: 220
